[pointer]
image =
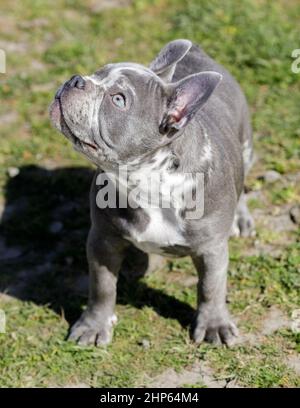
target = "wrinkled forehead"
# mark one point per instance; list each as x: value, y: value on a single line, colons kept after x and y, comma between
x: 124, y: 74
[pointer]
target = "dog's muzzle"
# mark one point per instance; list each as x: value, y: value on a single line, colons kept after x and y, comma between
x: 75, y: 82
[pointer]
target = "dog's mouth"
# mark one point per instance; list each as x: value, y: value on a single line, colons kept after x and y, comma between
x: 57, y: 117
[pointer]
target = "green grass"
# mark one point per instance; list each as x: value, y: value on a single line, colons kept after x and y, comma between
x: 254, y: 40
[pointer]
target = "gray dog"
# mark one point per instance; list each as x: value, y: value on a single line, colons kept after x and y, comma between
x: 184, y: 115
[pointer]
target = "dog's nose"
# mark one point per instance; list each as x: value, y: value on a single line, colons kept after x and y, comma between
x: 76, y: 82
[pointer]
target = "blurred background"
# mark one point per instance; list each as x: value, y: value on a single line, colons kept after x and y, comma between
x: 44, y: 200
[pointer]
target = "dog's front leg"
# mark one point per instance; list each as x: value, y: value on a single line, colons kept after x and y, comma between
x: 212, y: 322
x: 105, y: 255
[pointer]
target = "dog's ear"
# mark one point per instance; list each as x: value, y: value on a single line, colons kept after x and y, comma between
x: 165, y: 63
x: 186, y: 97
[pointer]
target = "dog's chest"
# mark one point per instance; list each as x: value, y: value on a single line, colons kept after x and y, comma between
x: 163, y: 232
x: 162, y: 225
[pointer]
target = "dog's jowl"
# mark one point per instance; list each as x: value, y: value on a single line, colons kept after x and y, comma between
x: 172, y: 144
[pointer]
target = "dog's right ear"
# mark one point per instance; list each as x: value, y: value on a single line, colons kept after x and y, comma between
x: 165, y: 63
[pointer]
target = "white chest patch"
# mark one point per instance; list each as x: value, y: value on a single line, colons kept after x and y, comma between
x: 159, y: 233
x: 165, y: 227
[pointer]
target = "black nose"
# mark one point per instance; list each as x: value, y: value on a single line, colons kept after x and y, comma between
x: 76, y: 82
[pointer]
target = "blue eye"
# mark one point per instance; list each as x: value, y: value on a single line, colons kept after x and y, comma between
x: 119, y: 100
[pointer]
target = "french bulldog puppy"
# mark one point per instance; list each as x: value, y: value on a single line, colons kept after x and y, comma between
x: 183, y: 115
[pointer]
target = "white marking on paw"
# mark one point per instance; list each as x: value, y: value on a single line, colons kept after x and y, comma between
x: 235, y: 231
x: 113, y: 320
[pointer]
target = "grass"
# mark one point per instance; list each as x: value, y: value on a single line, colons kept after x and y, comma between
x: 254, y: 40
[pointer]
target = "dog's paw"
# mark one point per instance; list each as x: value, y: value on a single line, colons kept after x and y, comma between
x: 246, y: 225
x: 243, y: 226
x: 216, y: 330
x: 89, y: 330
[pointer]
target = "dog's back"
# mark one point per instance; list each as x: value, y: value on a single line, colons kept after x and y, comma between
x: 227, y: 105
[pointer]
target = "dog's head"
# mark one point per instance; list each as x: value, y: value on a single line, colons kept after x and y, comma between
x: 125, y: 110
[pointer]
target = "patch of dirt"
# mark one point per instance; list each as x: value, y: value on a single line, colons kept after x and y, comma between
x: 293, y: 362
x: 261, y: 249
x: 293, y: 177
x: 8, y: 24
x: 14, y: 47
x: 279, y: 222
x: 275, y: 219
x: 274, y: 321
x: 247, y: 338
x: 191, y: 281
x: 96, y: 6
x: 39, y: 66
x: 35, y: 23
x: 46, y: 87
x: 200, y: 372
x: 8, y: 118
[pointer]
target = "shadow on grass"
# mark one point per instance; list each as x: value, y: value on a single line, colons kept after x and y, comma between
x: 42, y: 245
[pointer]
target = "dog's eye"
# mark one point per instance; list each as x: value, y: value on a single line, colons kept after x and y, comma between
x: 119, y: 100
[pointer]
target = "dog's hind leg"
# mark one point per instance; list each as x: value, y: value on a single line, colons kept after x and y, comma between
x: 243, y: 223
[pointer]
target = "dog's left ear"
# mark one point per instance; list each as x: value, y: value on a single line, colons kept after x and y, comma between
x: 165, y: 63
x: 186, y: 97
